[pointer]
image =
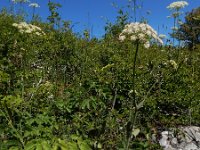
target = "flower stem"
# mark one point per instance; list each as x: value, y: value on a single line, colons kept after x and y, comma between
x: 133, y: 111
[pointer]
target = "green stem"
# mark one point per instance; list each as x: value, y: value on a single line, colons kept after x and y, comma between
x: 133, y: 112
x: 135, y: 6
x: 134, y: 69
x: 33, y: 16
x: 10, y: 123
x: 174, y: 30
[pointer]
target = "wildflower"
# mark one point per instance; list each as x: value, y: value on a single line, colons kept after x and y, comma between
x: 23, y: 27
x: 177, y: 5
x: 34, y: 5
x: 20, y: 1
x: 122, y: 38
x: 38, y: 33
x: 133, y: 38
x: 174, y: 64
x: 147, y: 44
x: 140, y: 32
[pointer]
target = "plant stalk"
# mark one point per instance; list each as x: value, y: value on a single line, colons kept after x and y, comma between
x: 133, y: 112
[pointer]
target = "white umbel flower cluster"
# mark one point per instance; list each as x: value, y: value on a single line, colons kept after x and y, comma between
x: 24, y: 27
x: 140, y: 32
x: 34, y: 5
x: 178, y: 5
x: 20, y: 1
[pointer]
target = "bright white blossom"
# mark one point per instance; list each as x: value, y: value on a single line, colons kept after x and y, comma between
x: 35, y: 5
x: 140, y: 32
x: 23, y: 27
x: 177, y: 5
x: 20, y: 1
x: 147, y: 44
x: 122, y: 38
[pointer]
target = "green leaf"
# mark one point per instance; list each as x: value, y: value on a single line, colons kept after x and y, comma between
x: 83, y: 145
x: 63, y: 145
x: 140, y: 105
x: 99, y: 145
x: 135, y: 132
x: 14, y: 148
x: 37, y: 145
x: 12, y: 101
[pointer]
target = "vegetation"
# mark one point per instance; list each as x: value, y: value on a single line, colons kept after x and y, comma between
x: 190, y: 30
x: 62, y: 91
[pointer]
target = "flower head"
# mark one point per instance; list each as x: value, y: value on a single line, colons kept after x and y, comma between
x: 177, y: 5
x: 24, y: 27
x: 140, y: 32
x: 34, y: 5
x: 20, y: 1
x: 147, y: 44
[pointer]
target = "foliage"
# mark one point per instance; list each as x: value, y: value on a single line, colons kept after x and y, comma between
x: 61, y: 91
x: 190, y: 30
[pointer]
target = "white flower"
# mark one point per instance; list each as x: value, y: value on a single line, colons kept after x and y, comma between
x: 122, y: 38
x: 140, y: 32
x: 35, y: 5
x: 14, y: 24
x: 20, y: 1
x: 28, y: 31
x: 177, y: 5
x: 38, y: 33
x: 148, y: 33
x: 160, y: 41
x: 23, y: 27
x: 133, y: 38
x: 147, y: 44
x: 141, y: 36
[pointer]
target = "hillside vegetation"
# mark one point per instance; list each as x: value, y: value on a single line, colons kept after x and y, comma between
x: 63, y: 91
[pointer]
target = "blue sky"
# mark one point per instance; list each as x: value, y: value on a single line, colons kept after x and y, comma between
x: 92, y: 13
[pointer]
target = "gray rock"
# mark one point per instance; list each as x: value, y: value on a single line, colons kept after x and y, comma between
x: 191, y: 146
x: 186, y: 138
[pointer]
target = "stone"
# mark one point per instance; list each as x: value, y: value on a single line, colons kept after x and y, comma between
x: 186, y: 138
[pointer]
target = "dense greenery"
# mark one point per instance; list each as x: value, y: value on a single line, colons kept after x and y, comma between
x: 190, y: 30
x: 62, y: 91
